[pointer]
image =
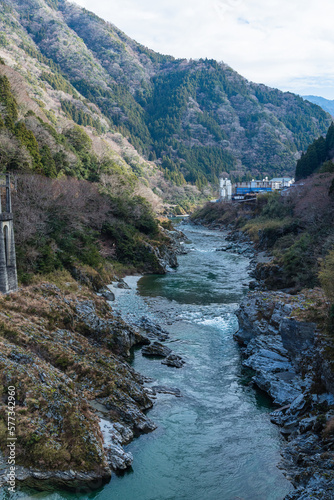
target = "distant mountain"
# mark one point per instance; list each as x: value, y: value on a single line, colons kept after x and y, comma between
x: 194, y: 119
x: 326, y: 104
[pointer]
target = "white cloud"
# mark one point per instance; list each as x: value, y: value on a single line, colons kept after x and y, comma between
x: 282, y: 43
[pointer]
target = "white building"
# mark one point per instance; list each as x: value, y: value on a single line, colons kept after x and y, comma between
x: 281, y: 182
x: 225, y: 189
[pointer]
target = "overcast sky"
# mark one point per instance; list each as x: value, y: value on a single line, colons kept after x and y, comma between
x: 287, y: 44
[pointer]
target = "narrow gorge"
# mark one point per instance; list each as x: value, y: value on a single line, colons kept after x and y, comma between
x: 213, y: 431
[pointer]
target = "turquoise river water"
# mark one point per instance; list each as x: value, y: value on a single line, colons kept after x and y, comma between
x: 215, y: 442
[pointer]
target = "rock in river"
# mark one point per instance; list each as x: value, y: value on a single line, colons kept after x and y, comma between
x: 173, y: 360
x: 162, y: 389
x: 156, y: 349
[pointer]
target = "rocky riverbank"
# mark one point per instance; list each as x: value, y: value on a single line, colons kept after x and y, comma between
x: 65, y: 353
x: 77, y: 399
x: 284, y: 343
x: 292, y: 362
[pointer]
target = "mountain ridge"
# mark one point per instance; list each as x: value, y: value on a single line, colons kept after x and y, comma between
x: 326, y: 104
x: 195, y: 119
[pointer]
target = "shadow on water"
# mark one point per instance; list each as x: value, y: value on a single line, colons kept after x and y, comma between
x: 261, y: 398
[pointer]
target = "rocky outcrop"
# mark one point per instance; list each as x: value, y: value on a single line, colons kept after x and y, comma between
x: 287, y: 354
x: 65, y: 353
x: 152, y: 329
x: 158, y: 350
x: 273, y: 342
x: 107, y: 294
x: 82, y: 482
x: 162, y: 389
x: 118, y: 335
x: 167, y: 253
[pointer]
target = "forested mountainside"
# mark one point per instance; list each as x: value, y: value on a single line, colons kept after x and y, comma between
x: 78, y: 205
x: 85, y: 207
x: 318, y: 157
x: 195, y: 119
x: 296, y: 226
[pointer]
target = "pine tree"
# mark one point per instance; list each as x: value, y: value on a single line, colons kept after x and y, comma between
x: 7, y: 98
x: 48, y: 162
x: 330, y: 140
x: 320, y: 145
x: 28, y: 140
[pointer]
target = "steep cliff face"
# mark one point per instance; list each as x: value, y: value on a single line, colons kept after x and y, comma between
x: 292, y: 361
x: 275, y: 342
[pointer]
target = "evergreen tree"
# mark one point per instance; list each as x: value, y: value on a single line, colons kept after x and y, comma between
x: 28, y: 140
x: 48, y: 162
x: 330, y: 139
x: 7, y: 98
x: 317, y: 153
x: 320, y: 146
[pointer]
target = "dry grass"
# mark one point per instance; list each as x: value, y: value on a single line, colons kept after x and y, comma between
x: 313, y: 307
x: 56, y: 370
x: 253, y: 227
x: 329, y: 428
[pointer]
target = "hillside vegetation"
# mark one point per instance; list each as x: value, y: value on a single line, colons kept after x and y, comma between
x: 326, y: 104
x: 102, y: 136
x: 318, y: 157
x: 297, y: 229
x: 194, y: 119
x: 74, y: 209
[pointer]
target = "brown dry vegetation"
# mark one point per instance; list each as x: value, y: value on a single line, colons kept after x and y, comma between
x: 20, y: 90
x: 329, y: 428
x: 70, y: 223
x: 58, y: 361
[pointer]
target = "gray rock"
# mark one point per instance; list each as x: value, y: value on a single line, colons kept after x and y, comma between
x: 107, y: 294
x: 125, y: 432
x: 324, y: 398
x: 277, y: 417
x: 153, y: 329
x: 132, y: 416
x: 268, y: 361
x: 280, y: 348
x: 225, y: 248
x: 70, y: 480
x: 118, y: 458
x: 123, y: 284
x: 173, y: 360
x: 281, y: 392
x: 122, y: 335
x: 296, y: 335
x: 156, y: 349
x: 299, y: 404
x: 162, y: 389
x: 307, y: 424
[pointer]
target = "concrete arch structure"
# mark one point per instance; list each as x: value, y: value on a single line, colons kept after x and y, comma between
x: 8, y: 271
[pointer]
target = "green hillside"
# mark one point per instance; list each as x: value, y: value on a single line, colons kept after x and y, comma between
x: 195, y: 119
x: 318, y: 156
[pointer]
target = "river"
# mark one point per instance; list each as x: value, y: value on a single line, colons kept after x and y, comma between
x: 215, y: 442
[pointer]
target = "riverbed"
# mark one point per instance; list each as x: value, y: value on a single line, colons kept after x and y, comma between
x: 215, y: 442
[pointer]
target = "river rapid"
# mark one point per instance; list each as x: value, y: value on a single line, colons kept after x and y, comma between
x: 215, y: 442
